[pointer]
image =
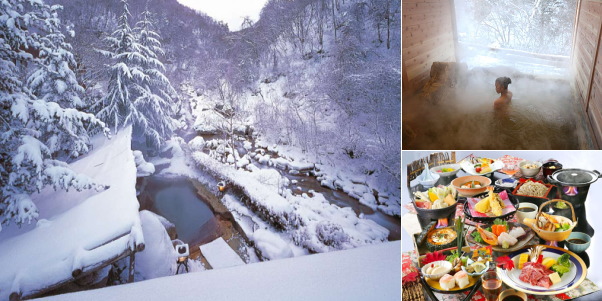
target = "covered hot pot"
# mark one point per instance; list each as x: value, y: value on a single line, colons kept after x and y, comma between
x: 572, y: 185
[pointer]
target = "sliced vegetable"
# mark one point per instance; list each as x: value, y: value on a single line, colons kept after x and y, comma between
x: 522, y: 260
x: 453, y: 256
x: 549, y: 262
x: 432, y: 196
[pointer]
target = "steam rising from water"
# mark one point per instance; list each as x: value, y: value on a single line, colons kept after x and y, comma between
x: 542, y: 115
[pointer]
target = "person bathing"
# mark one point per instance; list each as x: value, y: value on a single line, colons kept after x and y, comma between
x: 502, y: 104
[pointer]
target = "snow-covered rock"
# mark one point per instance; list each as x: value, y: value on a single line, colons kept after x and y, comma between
x: 143, y: 168
x: 197, y: 144
x: 271, y: 245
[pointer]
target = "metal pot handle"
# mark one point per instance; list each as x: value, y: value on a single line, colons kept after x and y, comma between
x: 552, y: 181
x: 598, y: 173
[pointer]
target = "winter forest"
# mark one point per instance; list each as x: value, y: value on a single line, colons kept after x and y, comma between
x: 112, y: 110
x: 533, y: 26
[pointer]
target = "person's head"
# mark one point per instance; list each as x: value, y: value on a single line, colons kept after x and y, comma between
x: 501, y: 84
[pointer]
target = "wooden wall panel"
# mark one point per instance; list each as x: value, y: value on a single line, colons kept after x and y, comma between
x: 587, y: 63
x: 427, y: 37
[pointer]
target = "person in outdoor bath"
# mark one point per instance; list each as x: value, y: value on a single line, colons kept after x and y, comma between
x: 502, y: 104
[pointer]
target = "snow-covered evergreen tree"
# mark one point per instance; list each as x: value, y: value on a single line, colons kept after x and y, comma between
x: 160, y: 99
x: 137, y: 90
x: 55, y: 82
x: 27, y: 122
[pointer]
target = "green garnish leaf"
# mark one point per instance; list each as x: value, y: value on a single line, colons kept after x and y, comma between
x: 499, y: 221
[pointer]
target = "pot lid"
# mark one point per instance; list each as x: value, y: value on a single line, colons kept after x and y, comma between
x: 575, y: 176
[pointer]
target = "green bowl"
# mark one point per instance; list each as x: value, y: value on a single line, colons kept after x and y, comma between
x: 578, y: 248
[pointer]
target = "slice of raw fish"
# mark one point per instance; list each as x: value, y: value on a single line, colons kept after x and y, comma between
x: 506, y: 237
x: 517, y: 232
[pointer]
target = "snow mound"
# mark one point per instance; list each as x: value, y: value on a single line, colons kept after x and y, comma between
x: 367, y: 273
x: 143, y: 168
x: 271, y: 245
x: 158, y: 258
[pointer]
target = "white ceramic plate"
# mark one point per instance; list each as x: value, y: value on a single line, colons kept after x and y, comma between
x: 469, y: 167
x: 569, y: 281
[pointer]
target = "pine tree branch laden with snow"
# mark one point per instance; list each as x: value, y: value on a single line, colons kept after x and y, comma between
x: 39, y: 118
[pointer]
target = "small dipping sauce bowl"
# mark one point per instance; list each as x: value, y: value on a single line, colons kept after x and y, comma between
x: 578, y: 242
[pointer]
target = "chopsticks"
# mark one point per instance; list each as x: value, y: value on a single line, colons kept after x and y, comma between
x: 473, y: 291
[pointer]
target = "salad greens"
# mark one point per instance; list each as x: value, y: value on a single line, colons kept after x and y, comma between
x: 454, y: 255
x: 563, y: 227
x: 477, y: 236
x: 561, y: 205
x: 563, y: 264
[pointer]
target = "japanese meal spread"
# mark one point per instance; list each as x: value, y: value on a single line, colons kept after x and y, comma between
x: 494, y: 240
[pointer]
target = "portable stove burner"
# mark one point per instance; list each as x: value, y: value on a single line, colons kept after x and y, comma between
x: 573, y: 185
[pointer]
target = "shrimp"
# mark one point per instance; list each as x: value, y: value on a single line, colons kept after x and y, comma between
x: 487, y: 236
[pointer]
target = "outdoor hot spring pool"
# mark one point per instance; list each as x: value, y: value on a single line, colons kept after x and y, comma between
x: 178, y: 201
x: 543, y: 115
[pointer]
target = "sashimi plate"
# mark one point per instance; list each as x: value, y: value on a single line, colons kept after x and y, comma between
x: 529, y: 234
x: 568, y: 281
x: 469, y: 167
